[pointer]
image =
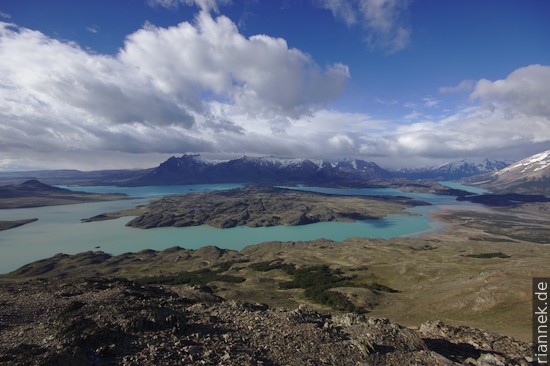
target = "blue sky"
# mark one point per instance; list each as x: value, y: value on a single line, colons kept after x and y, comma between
x: 112, y: 84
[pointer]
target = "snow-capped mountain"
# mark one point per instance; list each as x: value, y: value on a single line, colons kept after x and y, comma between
x: 192, y: 169
x: 530, y: 175
x: 453, y: 170
x: 536, y: 166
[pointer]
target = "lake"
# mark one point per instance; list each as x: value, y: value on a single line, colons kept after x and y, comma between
x: 59, y: 230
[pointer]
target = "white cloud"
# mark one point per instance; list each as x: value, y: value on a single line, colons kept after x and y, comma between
x: 159, y: 94
x: 463, y: 86
x: 5, y: 15
x: 341, y: 9
x: 260, y: 74
x: 203, y: 87
x: 525, y: 91
x: 430, y: 102
x: 383, y: 20
x: 413, y: 115
x: 386, y: 101
x: 92, y: 29
x: 204, y: 5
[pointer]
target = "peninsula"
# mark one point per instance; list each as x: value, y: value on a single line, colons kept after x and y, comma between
x: 33, y: 193
x: 257, y: 206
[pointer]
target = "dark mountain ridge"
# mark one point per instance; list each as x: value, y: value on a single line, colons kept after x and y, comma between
x: 191, y: 169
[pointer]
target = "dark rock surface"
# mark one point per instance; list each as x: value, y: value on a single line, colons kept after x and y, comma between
x: 97, y: 321
x: 191, y: 169
x: 259, y: 206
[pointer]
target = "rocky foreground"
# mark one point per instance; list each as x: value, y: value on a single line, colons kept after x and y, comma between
x: 98, y: 321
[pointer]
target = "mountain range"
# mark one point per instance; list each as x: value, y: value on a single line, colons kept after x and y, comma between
x: 531, y: 175
x: 453, y: 170
x: 189, y: 169
x: 192, y: 169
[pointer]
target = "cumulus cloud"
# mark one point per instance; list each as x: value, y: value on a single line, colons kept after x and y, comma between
x: 525, y: 91
x: 383, y: 20
x: 159, y: 93
x: 261, y: 74
x: 514, y: 115
x: 203, y: 87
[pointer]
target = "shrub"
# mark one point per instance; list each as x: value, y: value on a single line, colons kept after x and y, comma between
x: 194, y: 278
x: 488, y: 255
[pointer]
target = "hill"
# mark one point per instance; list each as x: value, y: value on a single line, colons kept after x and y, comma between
x: 119, y: 322
x: 33, y: 193
x: 257, y: 207
x: 528, y: 176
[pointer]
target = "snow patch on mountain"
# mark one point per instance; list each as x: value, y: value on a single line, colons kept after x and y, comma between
x: 454, y: 169
x: 535, y: 163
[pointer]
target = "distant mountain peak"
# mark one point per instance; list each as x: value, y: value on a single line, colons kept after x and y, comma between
x: 452, y: 170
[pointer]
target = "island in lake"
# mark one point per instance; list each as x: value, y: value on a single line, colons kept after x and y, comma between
x: 258, y: 206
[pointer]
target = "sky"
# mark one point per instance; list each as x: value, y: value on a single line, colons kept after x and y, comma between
x: 98, y: 84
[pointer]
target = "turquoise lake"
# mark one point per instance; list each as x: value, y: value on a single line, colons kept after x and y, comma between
x: 59, y: 230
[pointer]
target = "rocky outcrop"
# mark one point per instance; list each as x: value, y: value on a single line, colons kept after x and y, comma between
x: 99, y: 321
x: 258, y: 207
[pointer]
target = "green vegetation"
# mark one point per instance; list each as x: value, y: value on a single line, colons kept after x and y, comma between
x: 225, y: 266
x: 200, y: 277
x: 488, y: 255
x: 269, y: 266
x: 317, y: 282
